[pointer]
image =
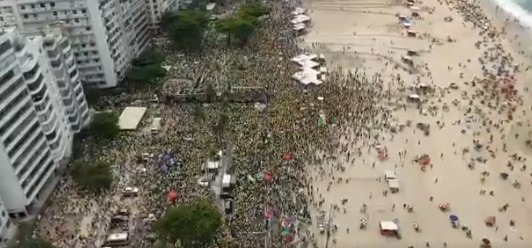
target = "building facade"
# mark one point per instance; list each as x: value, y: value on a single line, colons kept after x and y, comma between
x: 105, y: 35
x: 156, y: 9
x: 42, y: 105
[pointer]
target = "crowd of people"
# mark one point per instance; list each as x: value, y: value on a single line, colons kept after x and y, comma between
x: 278, y: 140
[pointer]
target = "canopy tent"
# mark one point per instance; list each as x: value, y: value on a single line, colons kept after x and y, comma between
x: 299, y: 26
x: 301, y: 59
x: 307, y: 77
x: 309, y: 64
x: 300, y: 19
x: 414, y: 96
x: 131, y: 117
x: 389, y: 226
x: 299, y: 11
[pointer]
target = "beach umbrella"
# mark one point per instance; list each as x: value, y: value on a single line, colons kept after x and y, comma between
x: 172, y: 196
x: 268, y: 215
x: 287, y: 156
x: 453, y: 217
x: 268, y: 177
x: 164, y: 169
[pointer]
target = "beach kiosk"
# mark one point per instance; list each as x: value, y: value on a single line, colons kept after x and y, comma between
x: 407, y: 60
x: 393, y: 185
x: 414, y: 98
x: 389, y: 228
x: 389, y: 175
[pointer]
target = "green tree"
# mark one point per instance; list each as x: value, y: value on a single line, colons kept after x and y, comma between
x: 94, y: 178
x: 186, y: 28
x: 34, y: 243
x: 199, y: 114
x: 221, y: 125
x: 149, y: 57
x: 242, y: 29
x: 191, y: 224
x: 243, y: 25
x: 253, y: 10
x: 146, y: 74
x: 147, y: 67
x: 104, y: 125
x: 210, y: 94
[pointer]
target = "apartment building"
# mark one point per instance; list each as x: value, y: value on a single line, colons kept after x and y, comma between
x: 105, y: 35
x: 157, y: 8
x: 42, y: 104
x: 67, y: 77
x: 26, y: 161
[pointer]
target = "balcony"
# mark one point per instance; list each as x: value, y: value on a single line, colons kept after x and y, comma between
x: 66, y: 93
x: 48, y: 121
x: 53, y: 55
x: 69, y: 57
x: 38, y: 155
x: 43, y: 179
x: 8, y: 98
x: 25, y: 134
x: 46, y: 168
x: 50, y: 44
x: 39, y: 95
x: 67, y: 49
x: 28, y: 159
x: 37, y: 84
x: 27, y: 144
x: 42, y: 106
x: 7, y: 63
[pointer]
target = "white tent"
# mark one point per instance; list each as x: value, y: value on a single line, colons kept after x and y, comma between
x: 307, y: 81
x: 414, y: 96
x: 300, y: 19
x: 303, y: 59
x: 309, y: 64
x: 299, y: 11
x: 307, y: 77
x: 299, y: 26
x: 389, y: 226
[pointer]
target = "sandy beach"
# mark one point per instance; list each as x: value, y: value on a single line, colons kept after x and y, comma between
x: 474, y: 134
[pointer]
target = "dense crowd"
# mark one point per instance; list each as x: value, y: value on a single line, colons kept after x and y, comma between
x: 279, y: 140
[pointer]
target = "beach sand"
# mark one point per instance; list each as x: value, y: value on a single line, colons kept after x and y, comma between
x: 364, y: 35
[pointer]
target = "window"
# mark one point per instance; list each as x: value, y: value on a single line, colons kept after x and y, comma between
x: 76, y: 20
x: 83, y: 11
x: 88, y: 28
x: 74, y: 12
x: 25, y: 16
x: 43, y: 5
x: 33, y: 6
x: 23, y: 139
x: 22, y: 7
x: 8, y: 76
x: 52, y: 5
x: 35, y: 15
x: 55, y: 13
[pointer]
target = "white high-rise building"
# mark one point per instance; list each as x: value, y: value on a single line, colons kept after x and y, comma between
x: 40, y: 110
x: 157, y: 8
x: 105, y: 35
